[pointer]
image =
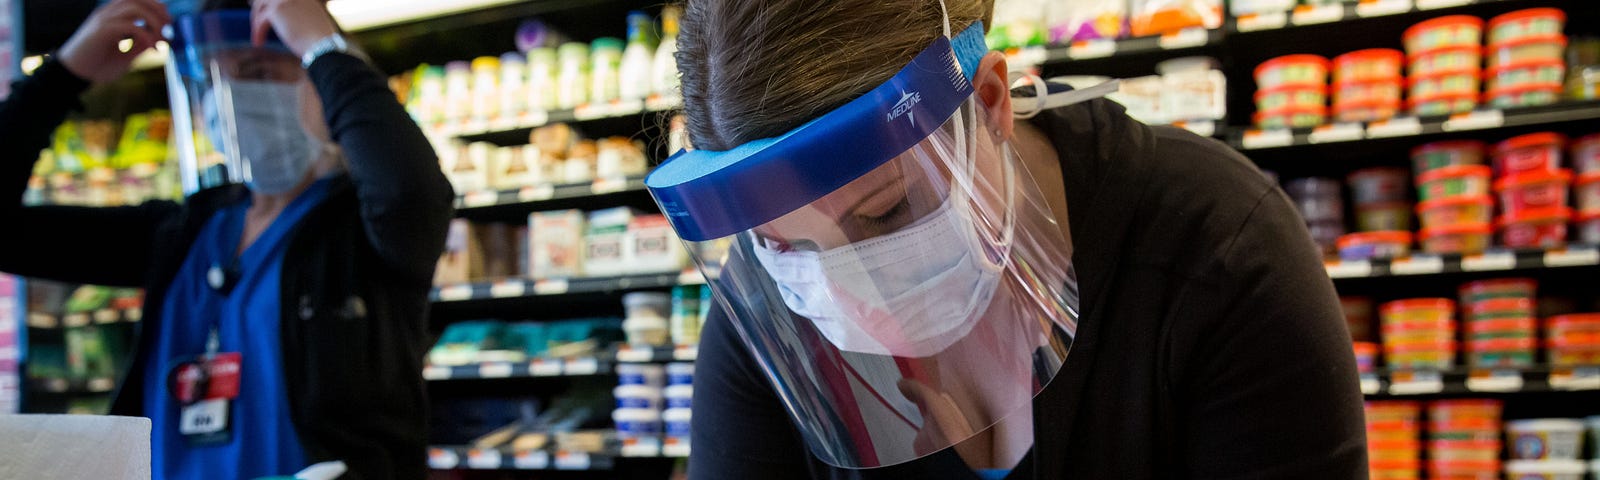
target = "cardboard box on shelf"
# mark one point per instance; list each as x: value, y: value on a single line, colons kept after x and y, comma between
x: 556, y: 244
x: 462, y: 260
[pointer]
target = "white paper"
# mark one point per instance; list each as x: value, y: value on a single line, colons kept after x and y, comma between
x: 73, y: 447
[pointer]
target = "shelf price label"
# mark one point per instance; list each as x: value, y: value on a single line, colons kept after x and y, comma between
x: 1086, y: 49
x: 443, y: 459
x: 658, y: 102
x: 503, y: 123
x: 1575, y: 378
x: 1338, y: 132
x: 629, y: 354
x: 552, y: 286
x: 1186, y: 38
x: 481, y: 198
x: 1489, y: 261
x: 75, y: 320
x: 612, y: 184
x: 1494, y: 380
x: 544, y: 368
x: 589, y: 111
x: 1395, y: 127
x: 435, y: 372
x: 1475, y: 120
x: 1378, y: 8
x: 686, y: 353
x: 1370, y: 384
x: 1277, y: 137
x: 455, y: 293
x: 508, y: 289
x: 1255, y: 22
x: 583, y: 366
x: 494, y: 370
x: 531, y: 460
x: 1417, y: 265
x: 569, y: 460
x: 533, y: 119
x: 1316, y: 14
x: 1349, y: 269
x: 1419, y: 382
x: 626, y: 107
x: 1437, y: 4
x: 1572, y: 257
x: 536, y: 193
x: 106, y: 316
x: 483, y: 459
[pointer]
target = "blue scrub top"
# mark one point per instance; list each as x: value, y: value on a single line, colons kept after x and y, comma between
x: 263, y: 440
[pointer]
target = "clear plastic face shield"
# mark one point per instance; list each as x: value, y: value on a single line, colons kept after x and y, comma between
x: 892, y: 265
x: 242, y: 113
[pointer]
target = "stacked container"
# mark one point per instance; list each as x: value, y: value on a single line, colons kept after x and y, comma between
x: 1545, y: 448
x: 1453, y: 194
x: 1321, y: 206
x: 1464, y: 439
x: 1499, y: 330
x: 1393, y: 451
x: 1586, y: 164
x: 1291, y: 92
x: 1366, y: 85
x: 1527, y: 65
x: 639, y: 399
x: 1383, y: 216
x: 1419, y: 334
x: 679, y: 393
x: 1573, y: 340
x: 1358, y: 315
x: 1533, y: 190
x: 1444, y: 54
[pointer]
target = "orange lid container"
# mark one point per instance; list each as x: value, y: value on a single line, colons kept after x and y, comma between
x: 1418, y: 304
x: 1455, y: 171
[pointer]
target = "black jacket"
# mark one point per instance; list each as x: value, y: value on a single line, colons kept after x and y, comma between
x: 1211, y: 343
x: 355, y: 277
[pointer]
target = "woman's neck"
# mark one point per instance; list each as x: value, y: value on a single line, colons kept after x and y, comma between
x: 264, y: 208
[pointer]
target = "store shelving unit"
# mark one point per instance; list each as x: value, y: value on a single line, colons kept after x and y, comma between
x: 505, y: 458
x: 1482, y: 382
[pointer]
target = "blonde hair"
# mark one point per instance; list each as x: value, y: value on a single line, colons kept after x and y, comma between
x: 757, y: 68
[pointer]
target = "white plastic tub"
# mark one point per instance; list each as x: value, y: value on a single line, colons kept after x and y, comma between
x: 1545, y: 470
x: 1545, y: 439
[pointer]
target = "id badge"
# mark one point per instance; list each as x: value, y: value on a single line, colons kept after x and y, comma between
x: 204, y: 388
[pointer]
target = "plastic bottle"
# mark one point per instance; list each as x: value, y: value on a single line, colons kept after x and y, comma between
x: 513, y: 84
x: 604, y: 77
x: 541, y: 84
x: 666, y: 66
x: 638, y: 58
x: 573, y: 87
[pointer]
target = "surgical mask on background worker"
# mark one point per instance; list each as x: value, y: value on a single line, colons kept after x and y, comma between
x: 252, y: 105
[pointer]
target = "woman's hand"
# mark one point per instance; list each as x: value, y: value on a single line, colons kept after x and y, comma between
x: 298, y: 23
x: 93, y: 52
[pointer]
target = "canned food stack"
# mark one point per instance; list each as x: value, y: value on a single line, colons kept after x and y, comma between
x: 1545, y: 448
x: 1533, y: 191
x: 1366, y: 85
x: 1500, y: 322
x: 1453, y: 197
x: 1586, y: 164
x: 1383, y: 216
x: 1464, y: 439
x: 1573, y: 340
x: 1419, y: 334
x: 1393, y: 452
x: 1527, y: 63
x: 1321, y: 206
x: 1445, y: 55
x: 1291, y: 92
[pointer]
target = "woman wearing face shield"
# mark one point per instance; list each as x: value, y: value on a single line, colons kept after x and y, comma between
x: 922, y: 276
x: 285, y: 317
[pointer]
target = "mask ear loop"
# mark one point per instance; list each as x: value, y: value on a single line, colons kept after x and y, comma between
x: 1044, y: 100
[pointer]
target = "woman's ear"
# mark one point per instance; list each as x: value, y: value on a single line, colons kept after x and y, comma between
x: 993, y: 87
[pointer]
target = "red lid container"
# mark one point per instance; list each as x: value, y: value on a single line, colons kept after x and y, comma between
x: 1502, y: 344
x: 1502, y: 325
x: 1542, y: 228
x: 1366, y: 65
x: 1499, y: 305
x: 1534, y: 151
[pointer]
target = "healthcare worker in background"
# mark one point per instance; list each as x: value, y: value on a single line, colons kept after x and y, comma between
x: 284, y: 321
x: 915, y: 282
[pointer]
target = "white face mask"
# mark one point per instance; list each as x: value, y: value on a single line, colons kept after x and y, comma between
x: 912, y: 293
x: 269, y: 137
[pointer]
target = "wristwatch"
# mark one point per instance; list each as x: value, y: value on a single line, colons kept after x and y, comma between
x: 331, y: 43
